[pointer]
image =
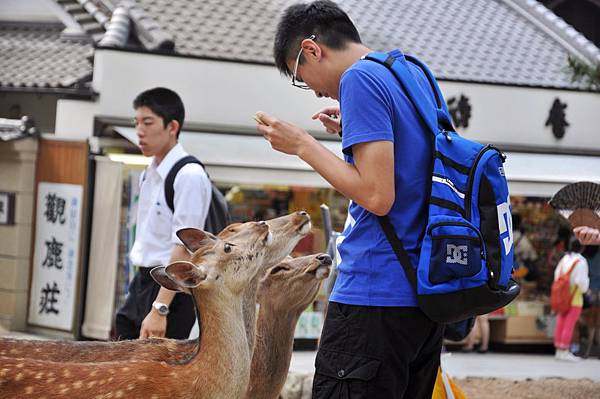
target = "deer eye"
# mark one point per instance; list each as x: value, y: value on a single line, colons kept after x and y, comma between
x: 227, y: 248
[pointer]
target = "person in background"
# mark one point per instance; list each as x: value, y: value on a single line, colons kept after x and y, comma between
x: 553, y: 256
x: 482, y: 325
x: 151, y: 310
x: 592, y: 255
x: 579, y: 283
x: 592, y: 298
x: 525, y: 253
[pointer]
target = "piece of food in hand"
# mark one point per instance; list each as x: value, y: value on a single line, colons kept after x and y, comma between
x: 579, y: 203
x: 258, y: 120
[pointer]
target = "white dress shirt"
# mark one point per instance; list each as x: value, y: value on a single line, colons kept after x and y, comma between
x: 156, y: 224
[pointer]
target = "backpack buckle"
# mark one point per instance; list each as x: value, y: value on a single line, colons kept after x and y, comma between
x: 447, y: 135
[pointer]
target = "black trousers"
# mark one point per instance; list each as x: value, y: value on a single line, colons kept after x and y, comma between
x: 142, y: 292
x: 377, y: 352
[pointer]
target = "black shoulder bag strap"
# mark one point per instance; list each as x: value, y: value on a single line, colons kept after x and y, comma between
x: 170, y: 180
x: 401, y: 254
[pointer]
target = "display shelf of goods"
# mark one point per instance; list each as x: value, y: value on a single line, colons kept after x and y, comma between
x: 309, y: 325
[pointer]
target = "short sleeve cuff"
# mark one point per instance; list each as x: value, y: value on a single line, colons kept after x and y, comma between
x: 347, y: 143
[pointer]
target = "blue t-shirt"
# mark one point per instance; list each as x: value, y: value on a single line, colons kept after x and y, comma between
x: 374, y: 107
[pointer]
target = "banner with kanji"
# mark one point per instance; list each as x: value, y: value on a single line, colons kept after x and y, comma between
x: 56, y: 255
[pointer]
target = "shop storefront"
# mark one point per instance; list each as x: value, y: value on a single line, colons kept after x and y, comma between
x: 514, y: 93
x: 259, y: 184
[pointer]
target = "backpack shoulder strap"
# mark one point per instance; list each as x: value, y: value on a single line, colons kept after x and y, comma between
x: 434, y: 117
x: 398, y: 248
x: 170, y: 180
x: 575, y: 262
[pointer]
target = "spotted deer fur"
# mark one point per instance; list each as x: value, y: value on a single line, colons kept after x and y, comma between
x: 286, y: 233
x: 219, y: 271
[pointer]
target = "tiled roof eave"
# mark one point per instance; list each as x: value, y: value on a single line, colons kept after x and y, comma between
x: 564, y: 34
x: 78, y: 93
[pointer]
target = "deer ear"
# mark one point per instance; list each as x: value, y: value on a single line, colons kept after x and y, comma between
x: 194, y: 239
x: 185, y: 274
x: 161, y: 277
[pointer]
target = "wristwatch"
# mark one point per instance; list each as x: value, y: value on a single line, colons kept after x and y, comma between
x: 161, y: 308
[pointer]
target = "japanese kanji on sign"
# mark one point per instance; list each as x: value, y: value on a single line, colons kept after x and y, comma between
x: 56, y: 255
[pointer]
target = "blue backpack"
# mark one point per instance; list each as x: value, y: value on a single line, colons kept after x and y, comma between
x: 466, y: 257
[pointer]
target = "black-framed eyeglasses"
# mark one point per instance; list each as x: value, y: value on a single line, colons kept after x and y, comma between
x: 295, y: 82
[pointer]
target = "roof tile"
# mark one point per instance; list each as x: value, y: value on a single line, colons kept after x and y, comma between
x: 34, y: 55
x: 488, y: 41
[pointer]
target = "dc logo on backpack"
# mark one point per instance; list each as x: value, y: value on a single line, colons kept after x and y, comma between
x: 457, y: 254
x: 466, y: 257
x: 505, y: 223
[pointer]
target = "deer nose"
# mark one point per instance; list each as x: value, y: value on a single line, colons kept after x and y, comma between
x: 324, y: 259
x: 302, y: 213
x: 262, y: 225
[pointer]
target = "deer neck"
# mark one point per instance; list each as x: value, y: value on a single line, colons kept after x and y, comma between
x: 223, y: 346
x: 249, y: 303
x: 273, y: 351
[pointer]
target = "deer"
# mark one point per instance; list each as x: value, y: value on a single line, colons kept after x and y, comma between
x: 284, y: 293
x: 216, y: 276
x: 286, y: 233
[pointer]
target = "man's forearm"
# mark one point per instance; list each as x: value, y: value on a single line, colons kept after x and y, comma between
x: 347, y: 178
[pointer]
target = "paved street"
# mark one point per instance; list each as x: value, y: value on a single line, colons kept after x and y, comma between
x: 497, y: 365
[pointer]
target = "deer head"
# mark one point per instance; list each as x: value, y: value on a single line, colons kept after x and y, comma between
x: 287, y: 232
x: 232, y: 261
x: 294, y: 283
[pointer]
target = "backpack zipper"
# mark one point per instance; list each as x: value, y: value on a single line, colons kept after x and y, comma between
x: 471, y: 179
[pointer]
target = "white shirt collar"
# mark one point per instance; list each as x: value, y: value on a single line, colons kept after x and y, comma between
x: 174, y: 155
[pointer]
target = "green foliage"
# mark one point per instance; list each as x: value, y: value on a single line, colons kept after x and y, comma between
x: 585, y: 73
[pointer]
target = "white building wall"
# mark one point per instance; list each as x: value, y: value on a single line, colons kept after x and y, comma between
x: 75, y: 119
x: 517, y: 116
x: 227, y: 94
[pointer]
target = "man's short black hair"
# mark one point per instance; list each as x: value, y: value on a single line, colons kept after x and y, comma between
x: 324, y: 19
x: 163, y: 102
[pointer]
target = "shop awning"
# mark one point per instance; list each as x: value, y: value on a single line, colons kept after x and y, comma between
x: 249, y: 159
x: 542, y: 175
x: 245, y: 158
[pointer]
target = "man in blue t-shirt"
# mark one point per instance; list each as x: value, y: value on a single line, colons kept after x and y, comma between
x: 375, y: 342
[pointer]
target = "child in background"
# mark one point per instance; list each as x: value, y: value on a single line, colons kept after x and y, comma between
x: 579, y: 282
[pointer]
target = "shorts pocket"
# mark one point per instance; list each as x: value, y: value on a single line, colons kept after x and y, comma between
x: 343, y: 375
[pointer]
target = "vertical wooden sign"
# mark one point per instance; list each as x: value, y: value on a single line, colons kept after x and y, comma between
x: 61, y: 186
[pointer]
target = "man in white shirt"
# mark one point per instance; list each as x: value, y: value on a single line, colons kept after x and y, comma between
x: 150, y: 310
